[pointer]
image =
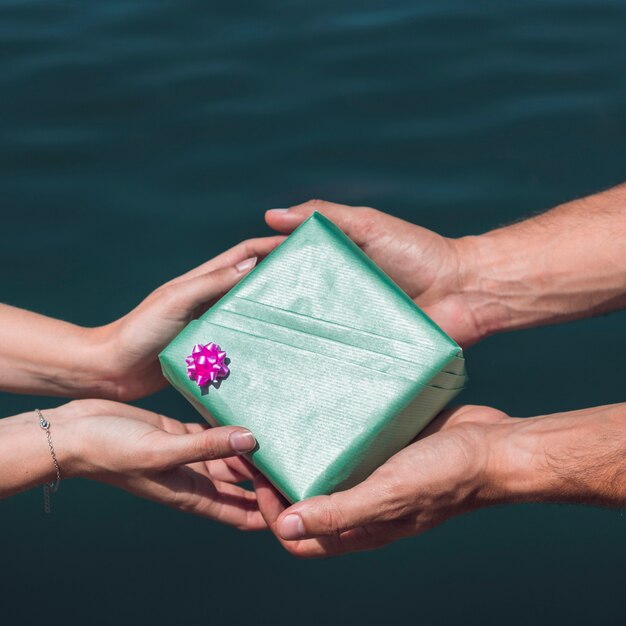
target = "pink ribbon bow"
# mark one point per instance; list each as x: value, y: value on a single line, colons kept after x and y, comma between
x: 206, y: 364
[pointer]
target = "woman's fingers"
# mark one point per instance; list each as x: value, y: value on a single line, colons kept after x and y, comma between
x: 231, y: 470
x: 185, y: 466
x: 187, y: 295
x: 220, y: 501
x: 271, y: 502
x: 159, y: 450
x: 242, y: 466
x: 181, y: 297
x: 259, y: 248
x: 187, y: 490
x: 219, y: 470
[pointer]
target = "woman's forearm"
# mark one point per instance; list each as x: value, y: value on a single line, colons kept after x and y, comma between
x: 567, y: 263
x: 44, y: 356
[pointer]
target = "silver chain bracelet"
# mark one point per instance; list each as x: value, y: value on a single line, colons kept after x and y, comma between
x: 53, y: 486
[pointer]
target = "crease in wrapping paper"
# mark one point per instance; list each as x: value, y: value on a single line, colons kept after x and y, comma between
x: 321, y: 345
x: 333, y: 367
x: 307, y: 326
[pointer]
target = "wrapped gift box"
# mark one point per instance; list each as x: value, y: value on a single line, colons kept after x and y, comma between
x: 332, y: 366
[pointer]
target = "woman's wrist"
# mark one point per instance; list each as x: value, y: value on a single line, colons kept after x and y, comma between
x: 72, y: 430
x: 25, y: 457
x: 94, y: 365
x: 81, y: 366
x: 94, y: 378
x: 64, y: 430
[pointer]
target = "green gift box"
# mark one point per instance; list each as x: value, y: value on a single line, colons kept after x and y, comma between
x: 332, y: 366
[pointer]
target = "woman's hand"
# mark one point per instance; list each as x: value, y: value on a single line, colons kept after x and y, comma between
x: 190, y: 467
x: 118, y: 361
x: 132, y: 343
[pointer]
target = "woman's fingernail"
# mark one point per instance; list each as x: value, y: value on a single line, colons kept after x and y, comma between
x: 292, y: 527
x: 242, y: 441
x: 246, y: 265
x: 278, y: 210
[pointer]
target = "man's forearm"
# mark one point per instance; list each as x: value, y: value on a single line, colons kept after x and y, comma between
x: 44, y: 356
x: 579, y: 456
x: 567, y: 263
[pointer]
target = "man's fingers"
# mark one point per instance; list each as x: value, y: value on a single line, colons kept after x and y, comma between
x: 363, y: 537
x: 356, y: 222
x: 374, y: 500
x: 160, y: 450
x: 272, y: 505
x: 355, y: 540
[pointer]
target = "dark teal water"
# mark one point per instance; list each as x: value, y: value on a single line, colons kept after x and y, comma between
x: 139, y: 138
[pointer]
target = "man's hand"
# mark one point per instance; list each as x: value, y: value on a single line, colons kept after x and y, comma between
x: 470, y: 457
x: 443, y: 474
x: 429, y: 267
x: 561, y: 265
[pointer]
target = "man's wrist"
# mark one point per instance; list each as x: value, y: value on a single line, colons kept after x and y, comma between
x: 556, y: 266
x: 517, y: 469
x: 565, y: 457
x: 501, y: 281
x: 477, y: 256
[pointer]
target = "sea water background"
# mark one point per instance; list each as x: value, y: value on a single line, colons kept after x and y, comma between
x: 139, y: 138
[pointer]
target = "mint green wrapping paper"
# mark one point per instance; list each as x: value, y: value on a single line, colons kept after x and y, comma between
x: 332, y: 366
